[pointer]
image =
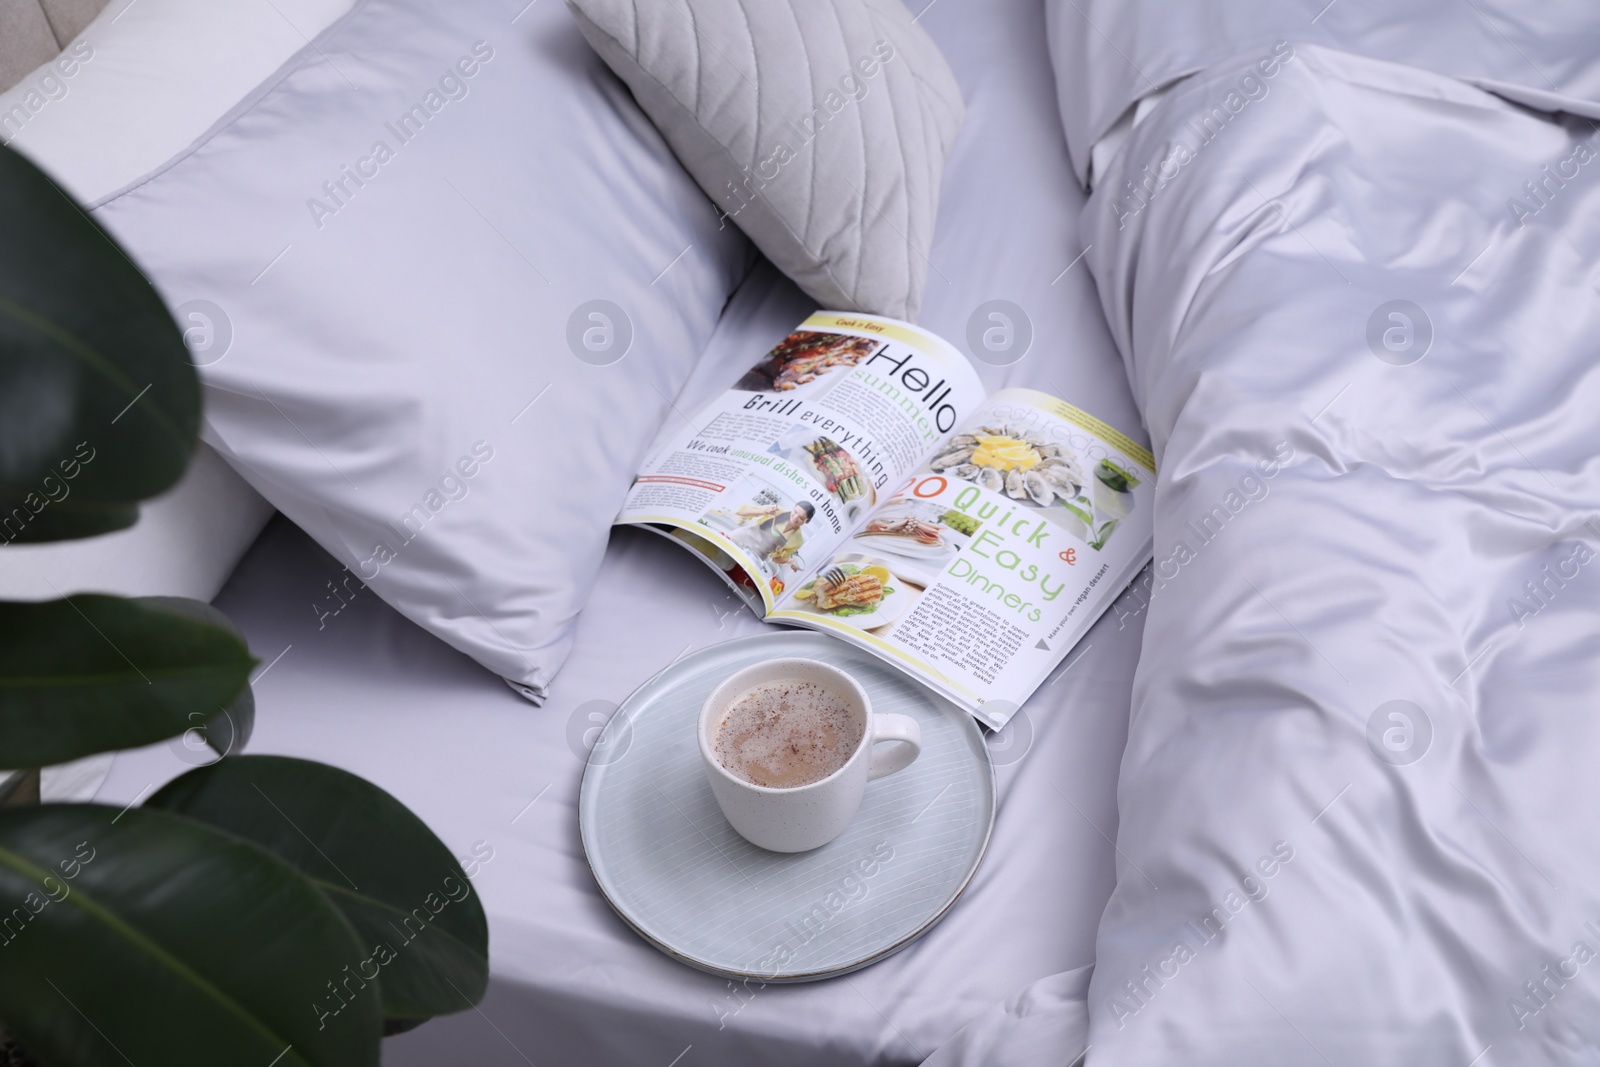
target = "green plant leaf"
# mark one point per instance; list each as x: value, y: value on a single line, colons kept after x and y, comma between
x: 99, y: 404
x: 228, y: 731
x: 148, y: 938
x: 93, y: 673
x: 419, y: 920
x: 31, y: 520
x: 1088, y: 520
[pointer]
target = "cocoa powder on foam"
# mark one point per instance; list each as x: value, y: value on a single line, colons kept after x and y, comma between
x: 786, y: 734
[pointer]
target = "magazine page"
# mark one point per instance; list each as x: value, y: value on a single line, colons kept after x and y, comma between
x: 775, y: 475
x: 984, y: 569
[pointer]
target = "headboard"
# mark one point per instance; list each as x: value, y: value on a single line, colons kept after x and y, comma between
x: 33, y: 31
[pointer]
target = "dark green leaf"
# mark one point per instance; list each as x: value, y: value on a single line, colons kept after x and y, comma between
x: 99, y: 404
x: 227, y: 732
x: 92, y: 673
x: 147, y: 938
x: 32, y: 520
x: 418, y: 918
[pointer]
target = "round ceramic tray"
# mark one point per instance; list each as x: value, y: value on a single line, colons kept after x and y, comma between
x: 673, y: 868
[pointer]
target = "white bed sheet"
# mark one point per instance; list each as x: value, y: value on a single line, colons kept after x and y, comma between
x: 367, y: 690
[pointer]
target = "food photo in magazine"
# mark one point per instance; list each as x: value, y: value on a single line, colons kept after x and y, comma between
x: 858, y: 480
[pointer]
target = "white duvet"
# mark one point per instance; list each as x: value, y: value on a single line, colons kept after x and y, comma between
x: 1358, y: 305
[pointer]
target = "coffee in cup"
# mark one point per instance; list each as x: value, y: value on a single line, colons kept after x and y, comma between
x: 789, y: 746
x: 787, y: 733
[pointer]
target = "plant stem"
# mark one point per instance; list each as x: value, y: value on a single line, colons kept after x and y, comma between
x: 19, y: 789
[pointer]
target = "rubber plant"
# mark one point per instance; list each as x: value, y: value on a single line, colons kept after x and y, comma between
x: 257, y: 910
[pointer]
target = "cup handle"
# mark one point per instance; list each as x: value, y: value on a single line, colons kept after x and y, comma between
x: 907, y: 735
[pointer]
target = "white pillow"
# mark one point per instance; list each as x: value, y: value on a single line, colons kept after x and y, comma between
x: 141, y: 82
x: 820, y: 128
x: 465, y: 279
x: 145, y: 79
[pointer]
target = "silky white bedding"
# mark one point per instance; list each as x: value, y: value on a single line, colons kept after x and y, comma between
x: 361, y: 687
x: 1362, y: 722
x: 1111, y: 53
x: 1357, y: 306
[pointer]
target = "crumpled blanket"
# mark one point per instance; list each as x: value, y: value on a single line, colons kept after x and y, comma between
x: 1357, y: 302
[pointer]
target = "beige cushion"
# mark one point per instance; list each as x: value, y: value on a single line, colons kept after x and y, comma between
x: 821, y: 129
x: 69, y: 17
x: 26, y: 39
x: 34, y: 31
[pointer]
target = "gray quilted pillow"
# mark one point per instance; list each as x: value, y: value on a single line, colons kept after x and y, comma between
x: 819, y: 126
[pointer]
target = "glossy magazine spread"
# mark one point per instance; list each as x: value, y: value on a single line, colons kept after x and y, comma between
x: 858, y: 481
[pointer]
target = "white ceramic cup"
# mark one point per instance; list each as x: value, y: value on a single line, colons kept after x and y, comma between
x: 806, y: 816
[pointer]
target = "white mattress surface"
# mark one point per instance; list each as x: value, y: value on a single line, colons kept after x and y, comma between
x: 363, y: 688
x: 371, y: 692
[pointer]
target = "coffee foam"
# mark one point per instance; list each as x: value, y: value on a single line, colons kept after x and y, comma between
x: 785, y: 734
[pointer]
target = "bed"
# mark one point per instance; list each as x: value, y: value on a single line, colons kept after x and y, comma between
x: 346, y: 679
x: 1316, y: 789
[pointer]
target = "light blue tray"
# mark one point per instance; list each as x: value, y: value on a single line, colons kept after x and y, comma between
x: 676, y: 872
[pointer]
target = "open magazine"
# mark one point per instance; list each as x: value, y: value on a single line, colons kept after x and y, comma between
x: 858, y: 480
